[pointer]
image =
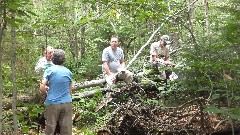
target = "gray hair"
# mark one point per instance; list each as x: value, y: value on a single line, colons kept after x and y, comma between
x: 58, y: 57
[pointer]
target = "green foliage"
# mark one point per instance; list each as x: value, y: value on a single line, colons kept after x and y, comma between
x: 209, y: 60
x: 8, y: 119
x: 86, y: 107
x: 89, y: 24
x: 228, y: 113
x: 28, y: 116
x: 86, y: 131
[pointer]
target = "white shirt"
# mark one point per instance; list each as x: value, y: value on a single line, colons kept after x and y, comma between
x: 43, y: 64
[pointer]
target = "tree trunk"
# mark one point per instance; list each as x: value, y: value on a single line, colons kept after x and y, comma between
x: 83, y: 30
x: 88, y: 93
x: 75, y: 32
x: 190, y: 13
x: 141, y: 49
x: 70, y: 31
x: 88, y: 84
x: 13, y: 60
x: 206, y: 14
x: 3, y: 27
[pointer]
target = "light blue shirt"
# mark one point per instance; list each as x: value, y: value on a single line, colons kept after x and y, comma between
x: 113, y: 58
x: 59, y: 78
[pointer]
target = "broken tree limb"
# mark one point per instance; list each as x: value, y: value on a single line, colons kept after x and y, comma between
x: 104, y: 101
x: 88, y: 84
x: 88, y: 93
x: 134, y: 58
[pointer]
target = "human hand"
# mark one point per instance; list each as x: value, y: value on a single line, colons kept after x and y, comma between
x: 110, y: 79
x: 121, y: 69
x: 161, y: 61
x: 46, y: 88
x: 166, y: 63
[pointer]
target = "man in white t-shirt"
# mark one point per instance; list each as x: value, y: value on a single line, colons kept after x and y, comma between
x: 45, y: 61
x: 113, y: 63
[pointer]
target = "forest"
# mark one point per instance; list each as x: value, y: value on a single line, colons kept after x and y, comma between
x: 203, y: 100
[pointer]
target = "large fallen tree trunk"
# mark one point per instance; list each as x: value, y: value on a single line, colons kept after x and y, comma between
x: 87, y: 84
x: 88, y: 93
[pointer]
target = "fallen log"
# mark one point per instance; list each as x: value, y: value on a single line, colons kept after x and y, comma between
x: 88, y: 93
x: 22, y: 99
x: 88, y: 84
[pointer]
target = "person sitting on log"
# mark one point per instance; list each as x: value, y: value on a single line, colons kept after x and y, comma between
x: 113, y: 64
x: 160, y: 55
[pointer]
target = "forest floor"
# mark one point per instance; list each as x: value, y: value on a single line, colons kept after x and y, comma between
x: 148, y: 112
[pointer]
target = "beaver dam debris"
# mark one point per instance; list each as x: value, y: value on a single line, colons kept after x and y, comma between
x: 141, y: 114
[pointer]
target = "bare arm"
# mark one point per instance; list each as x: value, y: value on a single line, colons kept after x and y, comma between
x: 166, y: 60
x: 106, y: 67
x: 43, y: 86
x: 153, y: 52
x: 70, y: 88
x: 122, y: 62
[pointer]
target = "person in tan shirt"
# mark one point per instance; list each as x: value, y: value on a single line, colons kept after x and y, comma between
x: 160, y: 51
x: 160, y: 54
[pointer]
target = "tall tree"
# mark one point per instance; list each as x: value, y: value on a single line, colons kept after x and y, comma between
x: 13, y: 60
x: 3, y: 27
x: 190, y: 13
x: 206, y: 14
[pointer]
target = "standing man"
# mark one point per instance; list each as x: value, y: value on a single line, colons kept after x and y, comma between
x: 58, y: 101
x: 160, y: 54
x: 45, y: 61
x: 113, y: 64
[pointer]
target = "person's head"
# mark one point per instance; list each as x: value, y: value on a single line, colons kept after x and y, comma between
x: 48, y: 53
x: 58, y: 57
x: 164, y: 40
x: 114, y: 42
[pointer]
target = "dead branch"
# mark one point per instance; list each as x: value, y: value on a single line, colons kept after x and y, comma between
x: 88, y: 84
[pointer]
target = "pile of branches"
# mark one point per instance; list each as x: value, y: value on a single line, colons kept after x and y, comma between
x: 134, y: 117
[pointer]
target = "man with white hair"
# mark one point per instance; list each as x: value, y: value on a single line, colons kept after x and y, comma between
x: 45, y: 61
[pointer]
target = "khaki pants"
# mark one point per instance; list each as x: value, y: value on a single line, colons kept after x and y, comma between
x: 61, y: 113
